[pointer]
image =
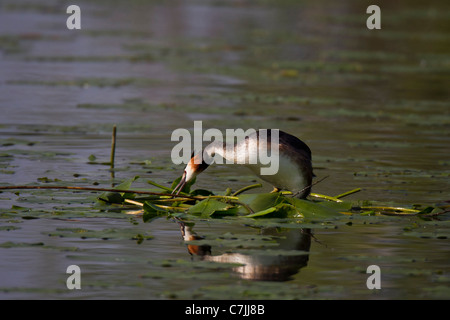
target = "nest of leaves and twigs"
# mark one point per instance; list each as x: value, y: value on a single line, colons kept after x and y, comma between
x: 203, y: 203
x: 244, y: 203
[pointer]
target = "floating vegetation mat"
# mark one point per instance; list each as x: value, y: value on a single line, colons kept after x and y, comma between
x: 190, y: 203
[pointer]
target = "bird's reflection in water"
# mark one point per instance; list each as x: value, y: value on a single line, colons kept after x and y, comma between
x: 294, y: 243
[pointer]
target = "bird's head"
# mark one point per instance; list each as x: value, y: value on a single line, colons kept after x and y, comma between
x: 194, y: 167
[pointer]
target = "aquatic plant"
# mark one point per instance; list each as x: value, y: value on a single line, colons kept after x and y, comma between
x: 206, y: 204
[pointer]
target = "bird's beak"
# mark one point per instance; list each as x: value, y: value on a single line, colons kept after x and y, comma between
x: 180, y: 185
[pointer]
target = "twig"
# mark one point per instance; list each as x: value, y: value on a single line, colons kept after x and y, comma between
x: 322, y: 196
x: 312, y: 184
x: 160, y: 206
x: 247, y: 207
x: 113, y: 146
x: 348, y: 193
x: 382, y: 208
x: 135, y: 212
x: 137, y: 203
x: 95, y: 189
x: 435, y: 214
x: 258, y: 185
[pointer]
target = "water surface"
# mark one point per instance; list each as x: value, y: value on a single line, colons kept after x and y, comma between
x: 373, y: 105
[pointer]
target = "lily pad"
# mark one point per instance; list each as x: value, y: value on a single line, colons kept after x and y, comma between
x: 118, y: 197
x: 315, y: 210
x: 152, y: 211
x: 208, y: 207
x: 281, y: 210
x: 261, y: 201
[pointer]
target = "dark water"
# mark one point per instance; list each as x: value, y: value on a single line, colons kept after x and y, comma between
x: 373, y: 105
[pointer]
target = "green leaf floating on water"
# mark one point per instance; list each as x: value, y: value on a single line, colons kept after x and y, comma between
x: 280, y: 206
x: 118, y: 197
x: 321, y: 209
x: 152, y: 211
x: 262, y: 201
x: 208, y: 207
x: 281, y: 210
x: 126, y: 184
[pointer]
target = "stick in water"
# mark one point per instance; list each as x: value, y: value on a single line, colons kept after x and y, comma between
x: 113, y: 146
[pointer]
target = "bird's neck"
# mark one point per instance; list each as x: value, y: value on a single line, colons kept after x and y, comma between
x: 220, y: 152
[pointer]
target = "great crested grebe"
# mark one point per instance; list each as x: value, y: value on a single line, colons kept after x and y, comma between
x: 294, y: 172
